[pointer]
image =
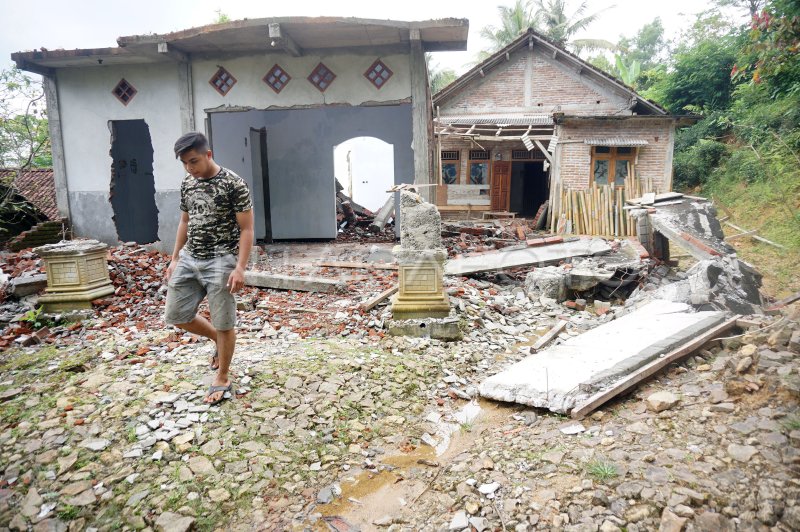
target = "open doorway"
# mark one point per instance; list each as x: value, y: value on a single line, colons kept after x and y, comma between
x: 132, y: 190
x: 529, y: 187
x: 364, y: 166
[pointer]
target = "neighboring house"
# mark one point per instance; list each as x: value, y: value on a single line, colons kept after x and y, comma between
x: 534, y: 123
x: 37, y: 186
x: 275, y: 96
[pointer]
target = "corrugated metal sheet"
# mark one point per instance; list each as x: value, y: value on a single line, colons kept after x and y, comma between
x: 497, y: 120
x: 616, y: 141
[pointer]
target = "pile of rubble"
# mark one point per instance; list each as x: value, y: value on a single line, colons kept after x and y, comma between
x: 336, y: 420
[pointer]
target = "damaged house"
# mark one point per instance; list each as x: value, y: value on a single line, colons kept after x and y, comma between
x: 276, y: 98
x: 534, y: 124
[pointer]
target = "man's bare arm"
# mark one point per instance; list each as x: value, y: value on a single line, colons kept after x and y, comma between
x: 245, y: 220
x: 180, y: 241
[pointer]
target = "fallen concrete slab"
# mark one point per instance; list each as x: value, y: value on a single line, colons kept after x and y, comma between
x: 561, y: 376
x: 490, y: 262
x: 289, y: 282
x: 26, y: 285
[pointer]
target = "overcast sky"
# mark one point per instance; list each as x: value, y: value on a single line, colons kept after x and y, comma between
x: 71, y: 24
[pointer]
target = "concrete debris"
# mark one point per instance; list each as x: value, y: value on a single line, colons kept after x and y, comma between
x: 693, y: 226
x: 721, y: 283
x: 561, y: 376
x: 536, y: 256
x: 288, y: 282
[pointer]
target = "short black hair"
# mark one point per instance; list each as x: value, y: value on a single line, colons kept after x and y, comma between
x: 194, y: 140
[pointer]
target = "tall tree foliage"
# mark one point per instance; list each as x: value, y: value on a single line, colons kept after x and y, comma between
x: 772, y: 53
x: 438, y: 77
x: 513, y: 21
x: 553, y: 18
x: 24, y: 143
x: 24, y: 138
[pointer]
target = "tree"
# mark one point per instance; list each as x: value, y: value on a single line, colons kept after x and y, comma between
x: 699, y: 80
x: 772, y: 53
x: 513, y: 21
x: 438, y: 78
x: 24, y: 138
x: 24, y: 142
x: 645, y: 47
x: 752, y: 6
x: 553, y: 20
x: 627, y: 73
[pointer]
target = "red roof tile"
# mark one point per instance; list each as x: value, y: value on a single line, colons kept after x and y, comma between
x: 37, y: 186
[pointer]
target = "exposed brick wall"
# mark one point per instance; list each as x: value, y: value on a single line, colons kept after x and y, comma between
x: 554, y: 87
x: 575, y: 157
x: 503, y: 86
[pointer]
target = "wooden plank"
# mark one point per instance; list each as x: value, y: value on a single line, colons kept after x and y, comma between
x: 739, y: 235
x: 759, y: 238
x: 648, y: 370
x: 783, y: 302
x: 365, y: 265
x: 549, y: 336
x: 649, y: 198
x: 375, y: 301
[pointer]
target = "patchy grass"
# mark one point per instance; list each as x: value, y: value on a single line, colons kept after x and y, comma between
x: 68, y: 512
x: 791, y: 423
x: 601, y: 470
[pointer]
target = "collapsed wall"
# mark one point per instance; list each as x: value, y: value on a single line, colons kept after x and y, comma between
x: 721, y: 283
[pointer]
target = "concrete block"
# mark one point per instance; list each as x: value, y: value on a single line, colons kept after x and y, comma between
x: 559, y: 377
x: 289, y: 282
x: 489, y: 262
x: 445, y: 329
x: 30, y: 284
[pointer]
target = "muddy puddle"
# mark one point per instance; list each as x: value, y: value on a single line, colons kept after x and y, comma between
x: 402, y: 478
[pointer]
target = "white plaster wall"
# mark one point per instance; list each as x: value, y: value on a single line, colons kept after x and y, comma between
x: 349, y: 87
x: 87, y: 105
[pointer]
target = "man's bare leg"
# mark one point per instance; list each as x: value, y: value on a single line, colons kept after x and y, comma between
x: 226, y: 341
x: 201, y: 327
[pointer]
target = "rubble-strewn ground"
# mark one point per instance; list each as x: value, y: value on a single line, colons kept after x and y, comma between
x: 102, y: 423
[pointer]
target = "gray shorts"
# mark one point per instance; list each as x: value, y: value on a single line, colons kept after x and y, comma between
x: 194, y: 279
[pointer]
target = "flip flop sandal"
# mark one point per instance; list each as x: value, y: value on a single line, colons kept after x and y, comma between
x: 214, y: 389
x: 214, y: 359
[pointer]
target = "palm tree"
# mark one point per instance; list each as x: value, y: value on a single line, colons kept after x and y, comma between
x: 553, y: 21
x: 438, y: 77
x: 513, y: 21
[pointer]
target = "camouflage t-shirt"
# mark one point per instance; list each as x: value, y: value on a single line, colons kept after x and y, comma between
x: 212, y: 205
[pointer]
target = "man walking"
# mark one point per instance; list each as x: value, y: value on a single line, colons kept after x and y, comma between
x: 212, y: 246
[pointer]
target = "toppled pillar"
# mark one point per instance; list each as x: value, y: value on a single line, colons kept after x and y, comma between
x: 77, y: 274
x: 420, y: 258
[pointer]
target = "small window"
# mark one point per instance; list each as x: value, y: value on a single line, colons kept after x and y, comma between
x: 451, y: 167
x: 520, y: 155
x: 378, y: 74
x: 277, y: 78
x: 478, y: 167
x: 223, y: 81
x: 124, y: 91
x: 612, y: 162
x: 321, y: 77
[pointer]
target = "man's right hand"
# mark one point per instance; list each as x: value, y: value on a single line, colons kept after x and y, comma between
x: 171, y: 268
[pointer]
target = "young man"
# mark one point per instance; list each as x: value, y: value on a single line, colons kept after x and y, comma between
x: 215, y: 235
